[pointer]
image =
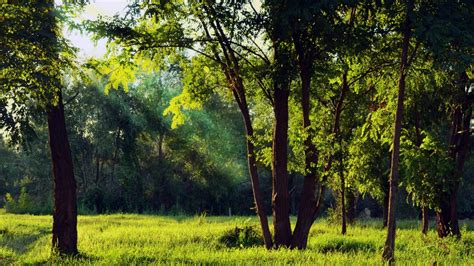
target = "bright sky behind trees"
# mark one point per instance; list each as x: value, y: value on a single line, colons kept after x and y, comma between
x: 91, y: 11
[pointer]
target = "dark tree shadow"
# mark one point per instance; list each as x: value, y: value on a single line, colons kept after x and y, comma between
x: 346, y: 246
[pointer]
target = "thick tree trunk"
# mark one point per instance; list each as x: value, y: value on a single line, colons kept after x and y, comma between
x: 453, y: 215
x: 65, y: 209
x: 280, y: 193
x: 424, y: 220
x: 389, y: 247
x: 443, y: 221
x: 309, y: 198
x: 447, y: 218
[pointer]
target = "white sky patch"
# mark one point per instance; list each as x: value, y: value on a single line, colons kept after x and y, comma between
x: 83, y: 41
x: 88, y: 48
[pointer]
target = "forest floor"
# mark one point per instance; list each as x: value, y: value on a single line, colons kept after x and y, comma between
x: 123, y: 239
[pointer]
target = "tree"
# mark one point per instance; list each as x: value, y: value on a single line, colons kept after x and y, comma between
x: 34, y: 57
x: 389, y: 247
x: 216, y: 42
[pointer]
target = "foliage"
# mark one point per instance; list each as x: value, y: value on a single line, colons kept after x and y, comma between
x: 127, y: 157
x: 241, y: 237
x: 424, y: 170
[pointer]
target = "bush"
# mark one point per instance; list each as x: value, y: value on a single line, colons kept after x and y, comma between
x: 244, y: 237
x: 10, y: 203
x: 26, y: 204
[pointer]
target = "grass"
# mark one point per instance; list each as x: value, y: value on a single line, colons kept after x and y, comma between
x: 122, y: 239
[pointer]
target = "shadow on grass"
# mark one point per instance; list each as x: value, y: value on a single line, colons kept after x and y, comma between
x: 19, y: 242
x: 346, y: 246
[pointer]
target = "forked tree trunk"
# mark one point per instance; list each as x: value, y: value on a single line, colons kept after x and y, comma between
x: 65, y: 209
x: 389, y: 247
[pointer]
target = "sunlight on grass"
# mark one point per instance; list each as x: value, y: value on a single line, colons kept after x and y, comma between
x: 141, y: 239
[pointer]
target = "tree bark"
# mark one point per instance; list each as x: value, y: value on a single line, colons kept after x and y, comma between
x: 442, y: 221
x: 385, y: 210
x: 231, y: 68
x: 309, y: 198
x: 252, y: 166
x: 343, y: 194
x: 351, y: 208
x: 389, y: 247
x: 447, y: 217
x: 65, y: 209
x: 280, y: 193
x: 424, y: 220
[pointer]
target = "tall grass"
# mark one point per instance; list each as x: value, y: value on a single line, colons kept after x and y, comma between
x: 121, y: 239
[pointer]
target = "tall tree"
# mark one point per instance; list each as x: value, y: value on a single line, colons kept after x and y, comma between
x: 218, y: 42
x: 33, y: 62
x: 279, y: 34
x: 406, y: 31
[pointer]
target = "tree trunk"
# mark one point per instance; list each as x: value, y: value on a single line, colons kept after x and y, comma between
x: 389, y: 247
x: 280, y: 194
x: 453, y: 215
x: 65, y: 209
x: 385, y: 210
x: 252, y: 165
x: 424, y: 220
x: 343, y: 193
x: 308, y: 200
x: 351, y: 208
x: 231, y: 69
x: 447, y: 217
x: 442, y: 221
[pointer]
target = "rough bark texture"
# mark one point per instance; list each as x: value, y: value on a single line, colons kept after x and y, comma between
x: 280, y: 194
x: 389, y: 247
x: 65, y: 209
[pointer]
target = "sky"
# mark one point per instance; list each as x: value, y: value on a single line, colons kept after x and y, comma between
x: 92, y: 11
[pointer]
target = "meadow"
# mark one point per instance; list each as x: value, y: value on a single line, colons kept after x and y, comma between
x: 120, y: 239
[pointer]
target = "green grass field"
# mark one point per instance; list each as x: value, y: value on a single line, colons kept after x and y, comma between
x: 120, y: 239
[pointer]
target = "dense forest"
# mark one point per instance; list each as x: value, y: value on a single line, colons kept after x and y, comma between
x: 339, y: 109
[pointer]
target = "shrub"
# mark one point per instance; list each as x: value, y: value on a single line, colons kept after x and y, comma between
x: 242, y: 237
x: 26, y: 204
x: 10, y: 203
